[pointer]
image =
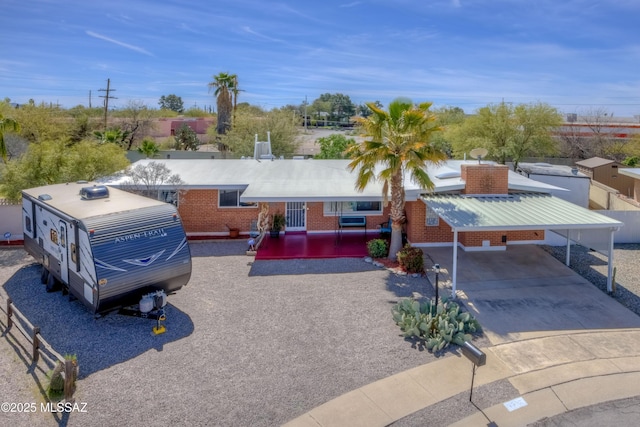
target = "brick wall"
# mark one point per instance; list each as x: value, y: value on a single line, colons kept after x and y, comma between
x: 485, y: 179
x: 418, y: 232
x: 471, y: 239
x: 317, y: 221
x: 200, y: 213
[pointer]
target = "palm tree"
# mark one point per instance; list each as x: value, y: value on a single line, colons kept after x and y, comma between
x: 114, y: 136
x: 397, y: 143
x: 6, y: 125
x: 226, y: 92
x: 148, y: 148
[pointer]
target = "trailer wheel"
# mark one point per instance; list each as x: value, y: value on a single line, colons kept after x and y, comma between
x: 52, y: 284
x: 44, y: 276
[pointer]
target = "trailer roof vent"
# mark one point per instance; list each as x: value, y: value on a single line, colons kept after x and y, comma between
x: 95, y: 192
x: 44, y: 197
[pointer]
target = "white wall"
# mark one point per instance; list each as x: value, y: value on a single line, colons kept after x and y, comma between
x: 578, y: 188
x: 630, y: 233
x: 11, y: 221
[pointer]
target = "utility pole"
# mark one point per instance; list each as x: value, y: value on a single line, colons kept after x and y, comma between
x: 106, y: 100
x: 305, y: 113
x: 89, y: 98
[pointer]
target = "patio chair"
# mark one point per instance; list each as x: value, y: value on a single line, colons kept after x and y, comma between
x: 385, y: 227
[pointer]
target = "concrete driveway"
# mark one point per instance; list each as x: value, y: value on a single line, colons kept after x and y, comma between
x: 524, y: 293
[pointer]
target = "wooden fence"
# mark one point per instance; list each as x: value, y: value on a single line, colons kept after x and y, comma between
x: 32, y: 334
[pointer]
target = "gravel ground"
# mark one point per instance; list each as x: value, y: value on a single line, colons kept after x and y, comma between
x: 247, y: 343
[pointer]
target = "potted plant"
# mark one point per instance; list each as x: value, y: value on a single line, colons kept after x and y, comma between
x: 278, y: 221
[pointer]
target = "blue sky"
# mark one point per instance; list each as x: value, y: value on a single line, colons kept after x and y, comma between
x: 573, y: 54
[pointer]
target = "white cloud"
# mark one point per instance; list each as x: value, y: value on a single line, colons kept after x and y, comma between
x: 119, y: 43
x: 352, y: 4
x: 248, y: 30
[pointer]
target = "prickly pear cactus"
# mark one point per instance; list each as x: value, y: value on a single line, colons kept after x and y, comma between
x: 437, y: 325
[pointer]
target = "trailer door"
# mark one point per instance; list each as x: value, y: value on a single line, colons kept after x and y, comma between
x: 64, y: 252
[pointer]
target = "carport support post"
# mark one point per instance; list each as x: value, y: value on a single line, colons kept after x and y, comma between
x: 568, y: 250
x: 454, y: 274
x: 610, y: 266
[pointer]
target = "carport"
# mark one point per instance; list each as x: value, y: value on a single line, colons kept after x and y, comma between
x: 525, y: 211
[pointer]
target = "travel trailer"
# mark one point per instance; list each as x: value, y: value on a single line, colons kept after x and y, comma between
x: 107, y: 247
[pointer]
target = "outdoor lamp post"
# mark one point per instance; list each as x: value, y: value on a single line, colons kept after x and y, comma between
x: 436, y: 268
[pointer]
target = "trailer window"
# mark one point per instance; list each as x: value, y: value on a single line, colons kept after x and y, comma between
x: 53, y: 235
x: 27, y: 223
x: 74, y: 258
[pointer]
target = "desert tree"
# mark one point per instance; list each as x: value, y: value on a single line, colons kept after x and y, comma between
x: 171, y: 102
x: 186, y: 138
x: 7, y: 124
x: 508, y: 132
x: 52, y: 162
x: 334, y: 146
x: 149, y: 179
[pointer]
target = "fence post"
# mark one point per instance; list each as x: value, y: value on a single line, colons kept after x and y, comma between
x: 9, y: 313
x: 36, y: 343
x: 69, y: 376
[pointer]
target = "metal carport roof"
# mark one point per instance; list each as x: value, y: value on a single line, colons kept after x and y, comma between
x: 517, y: 211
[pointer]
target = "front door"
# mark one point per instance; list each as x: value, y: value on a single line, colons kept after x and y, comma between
x: 64, y: 260
x: 296, y: 214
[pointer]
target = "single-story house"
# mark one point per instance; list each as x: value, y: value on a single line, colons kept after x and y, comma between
x: 474, y: 206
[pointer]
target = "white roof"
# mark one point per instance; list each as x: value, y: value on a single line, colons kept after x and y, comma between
x: 309, y: 180
x: 447, y: 177
x: 66, y: 198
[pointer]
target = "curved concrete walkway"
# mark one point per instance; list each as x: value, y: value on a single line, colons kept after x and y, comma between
x: 552, y: 374
x: 578, y: 348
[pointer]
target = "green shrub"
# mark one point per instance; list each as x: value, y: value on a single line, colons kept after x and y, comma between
x: 377, y: 248
x: 411, y: 259
x: 55, y: 390
x: 437, y: 326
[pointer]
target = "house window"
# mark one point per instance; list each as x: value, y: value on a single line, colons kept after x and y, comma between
x: 347, y: 208
x: 168, y: 196
x: 231, y: 199
x: 433, y: 220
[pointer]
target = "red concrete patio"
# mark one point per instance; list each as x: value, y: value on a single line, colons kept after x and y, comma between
x: 325, y: 245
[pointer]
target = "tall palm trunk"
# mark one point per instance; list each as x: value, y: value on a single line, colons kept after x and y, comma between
x: 396, y: 214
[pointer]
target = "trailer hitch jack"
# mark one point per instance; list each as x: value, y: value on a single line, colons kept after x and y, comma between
x: 160, y: 328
